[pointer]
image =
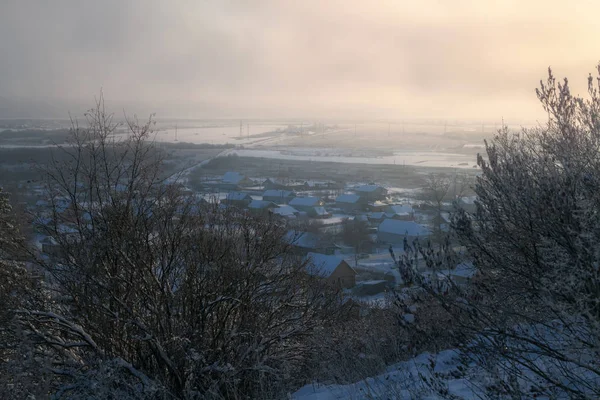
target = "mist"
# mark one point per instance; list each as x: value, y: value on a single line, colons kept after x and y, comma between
x: 284, y: 59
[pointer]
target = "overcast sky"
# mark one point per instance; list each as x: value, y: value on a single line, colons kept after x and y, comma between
x: 278, y: 58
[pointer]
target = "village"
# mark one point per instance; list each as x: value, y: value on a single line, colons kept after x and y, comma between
x: 350, y: 233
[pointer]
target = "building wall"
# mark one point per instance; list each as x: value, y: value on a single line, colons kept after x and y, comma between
x: 343, y: 276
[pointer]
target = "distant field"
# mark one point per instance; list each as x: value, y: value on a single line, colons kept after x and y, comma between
x: 389, y: 175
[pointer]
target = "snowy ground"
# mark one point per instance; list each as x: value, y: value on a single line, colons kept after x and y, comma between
x: 405, y: 380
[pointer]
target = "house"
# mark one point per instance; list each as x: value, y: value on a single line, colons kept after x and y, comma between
x: 274, y: 183
x: 286, y: 211
x: 400, y: 212
x: 238, y: 199
x: 306, y: 203
x: 394, y: 231
x: 376, y: 206
x: 306, y: 242
x: 371, y: 192
x: 234, y: 180
x: 319, y: 212
x: 333, y: 268
x: 261, y: 206
x: 376, y: 217
x: 278, y: 196
x: 350, y: 202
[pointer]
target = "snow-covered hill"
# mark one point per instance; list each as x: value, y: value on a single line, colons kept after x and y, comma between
x: 427, y: 376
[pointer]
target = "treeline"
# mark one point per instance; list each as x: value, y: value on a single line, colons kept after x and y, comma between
x: 34, y: 136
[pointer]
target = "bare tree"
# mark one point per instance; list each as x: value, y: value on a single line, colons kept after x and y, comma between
x: 168, y: 295
x: 436, y: 190
x: 20, y: 374
x: 532, y: 314
x: 356, y: 234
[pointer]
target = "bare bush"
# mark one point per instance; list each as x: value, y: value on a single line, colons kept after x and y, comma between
x: 532, y: 314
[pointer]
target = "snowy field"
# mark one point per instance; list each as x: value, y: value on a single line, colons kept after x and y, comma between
x: 214, y: 134
x: 417, y: 158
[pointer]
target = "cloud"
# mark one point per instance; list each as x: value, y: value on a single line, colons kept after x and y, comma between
x: 271, y: 58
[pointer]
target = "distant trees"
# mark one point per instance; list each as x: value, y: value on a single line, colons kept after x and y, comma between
x: 355, y: 233
x: 154, y: 295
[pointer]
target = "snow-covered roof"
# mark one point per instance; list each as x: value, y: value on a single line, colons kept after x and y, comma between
x: 376, y: 215
x: 321, y: 211
x: 305, y: 201
x: 368, y: 188
x: 322, y: 264
x: 261, y: 204
x: 408, y: 228
x: 302, y: 239
x: 233, y: 177
x: 347, y: 198
x: 278, y: 193
x: 399, y: 209
x: 238, y: 196
x: 285, y: 211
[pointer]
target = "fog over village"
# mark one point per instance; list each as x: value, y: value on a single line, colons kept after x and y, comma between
x: 309, y: 200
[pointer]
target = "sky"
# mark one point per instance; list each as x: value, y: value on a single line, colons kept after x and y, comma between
x: 346, y: 59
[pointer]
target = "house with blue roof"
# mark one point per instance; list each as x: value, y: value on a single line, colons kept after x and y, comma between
x: 371, y: 192
x: 278, y: 196
x: 350, y: 202
x: 238, y: 199
x: 394, y: 231
x: 306, y: 203
x: 332, y: 268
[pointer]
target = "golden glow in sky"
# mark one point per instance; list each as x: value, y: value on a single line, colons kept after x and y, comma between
x: 278, y: 58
